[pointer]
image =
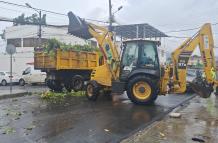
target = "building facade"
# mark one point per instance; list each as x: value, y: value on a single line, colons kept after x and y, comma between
x: 25, y: 39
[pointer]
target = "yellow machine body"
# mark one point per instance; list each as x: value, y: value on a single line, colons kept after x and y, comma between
x: 203, y: 39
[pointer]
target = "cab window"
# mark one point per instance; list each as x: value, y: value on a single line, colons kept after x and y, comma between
x: 130, y: 55
x: 27, y: 71
x: 148, y: 55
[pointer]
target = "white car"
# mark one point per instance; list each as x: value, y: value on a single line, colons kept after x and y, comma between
x: 32, y: 76
x: 5, y: 78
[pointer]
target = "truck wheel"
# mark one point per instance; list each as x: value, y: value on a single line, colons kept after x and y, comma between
x: 78, y: 83
x: 92, y: 90
x: 55, y: 85
x: 68, y: 87
x: 4, y: 82
x: 21, y: 82
x: 141, y: 90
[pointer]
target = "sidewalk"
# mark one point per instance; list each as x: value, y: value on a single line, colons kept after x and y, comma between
x: 4, y: 94
x: 198, y: 123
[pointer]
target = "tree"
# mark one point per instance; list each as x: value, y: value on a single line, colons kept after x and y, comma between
x: 20, y: 20
x: 34, y: 20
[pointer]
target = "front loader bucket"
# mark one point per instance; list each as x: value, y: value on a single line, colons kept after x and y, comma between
x: 78, y: 27
x: 201, y: 88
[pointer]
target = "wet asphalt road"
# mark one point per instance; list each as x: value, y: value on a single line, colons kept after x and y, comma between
x: 27, y: 88
x: 32, y: 119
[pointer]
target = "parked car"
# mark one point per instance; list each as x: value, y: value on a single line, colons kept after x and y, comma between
x: 32, y: 76
x: 5, y: 78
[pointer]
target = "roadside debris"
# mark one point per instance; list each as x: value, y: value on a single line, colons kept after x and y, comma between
x: 58, y: 97
x: 175, y: 115
x: 162, y: 134
x: 30, y: 127
x: 197, y: 139
x: 8, y: 130
x: 201, y: 138
x: 106, y: 130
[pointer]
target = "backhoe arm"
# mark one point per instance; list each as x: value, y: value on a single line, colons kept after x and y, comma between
x: 180, y: 57
x: 81, y: 28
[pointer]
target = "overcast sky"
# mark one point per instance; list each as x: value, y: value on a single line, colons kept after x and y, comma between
x: 166, y: 15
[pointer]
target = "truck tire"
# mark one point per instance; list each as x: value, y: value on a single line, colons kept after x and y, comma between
x: 92, y: 90
x: 141, y: 90
x: 78, y: 83
x: 55, y: 85
x: 67, y: 86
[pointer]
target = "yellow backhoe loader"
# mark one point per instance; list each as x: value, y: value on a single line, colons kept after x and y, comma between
x: 137, y: 71
x: 175, y: 76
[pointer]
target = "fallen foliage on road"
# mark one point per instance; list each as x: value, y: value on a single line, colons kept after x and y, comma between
x: 60, y: 96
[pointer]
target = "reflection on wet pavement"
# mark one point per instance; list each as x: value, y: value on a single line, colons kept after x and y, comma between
x: 199, y: 121
x: 76, y: 119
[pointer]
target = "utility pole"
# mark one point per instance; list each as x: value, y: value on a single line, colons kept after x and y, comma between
x: 40, y: 29
x: 40, y: 24
x: 11, y: 49
x: 110, y: 16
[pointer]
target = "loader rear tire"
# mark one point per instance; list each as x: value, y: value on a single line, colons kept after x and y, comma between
x: 141, y: 90
x: 92, y: 90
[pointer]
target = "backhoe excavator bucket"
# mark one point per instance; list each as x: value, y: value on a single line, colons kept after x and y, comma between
x: 201, y: 88
x: 78, y: 27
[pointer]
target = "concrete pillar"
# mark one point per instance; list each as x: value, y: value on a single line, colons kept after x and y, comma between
x: 21, y: 42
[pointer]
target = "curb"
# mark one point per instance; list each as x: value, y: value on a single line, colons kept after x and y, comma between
x: 13, y: 95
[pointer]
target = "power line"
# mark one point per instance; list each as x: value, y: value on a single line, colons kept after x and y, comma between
x: 189, y: 29
x: 48, y: 11
x: 179, y: 37
x: 10, y: 9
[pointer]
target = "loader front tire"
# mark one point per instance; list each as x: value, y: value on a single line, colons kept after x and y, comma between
x: 141, y: 90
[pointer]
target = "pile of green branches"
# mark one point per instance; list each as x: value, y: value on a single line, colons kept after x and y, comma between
x: 53, y: 44
x: 55, y: 97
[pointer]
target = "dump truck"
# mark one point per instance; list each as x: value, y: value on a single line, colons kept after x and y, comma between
x: 66, y: 69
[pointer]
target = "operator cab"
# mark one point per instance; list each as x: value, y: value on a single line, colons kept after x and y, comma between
x: 139, y: 56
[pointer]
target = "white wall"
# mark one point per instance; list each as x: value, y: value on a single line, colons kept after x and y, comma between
x: 30, y: 31
x: 19, y: 60
x: 25, y: 54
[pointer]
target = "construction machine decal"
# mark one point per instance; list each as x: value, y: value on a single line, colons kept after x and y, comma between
x: 183, y: 59
x: 206, y: 41
x: 183, y: 62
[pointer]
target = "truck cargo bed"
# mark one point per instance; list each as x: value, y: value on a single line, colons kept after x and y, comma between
x: 63, y: 60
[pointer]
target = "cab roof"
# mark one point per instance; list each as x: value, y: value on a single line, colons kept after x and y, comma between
x: 139, y: 40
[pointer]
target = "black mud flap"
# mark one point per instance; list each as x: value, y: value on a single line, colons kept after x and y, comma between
x: 78, y: 27
x: 201, y: 88
x: 118, y: 87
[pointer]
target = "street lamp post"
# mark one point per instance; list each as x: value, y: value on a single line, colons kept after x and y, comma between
x: 40, y: 23
x: 111, y: 15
